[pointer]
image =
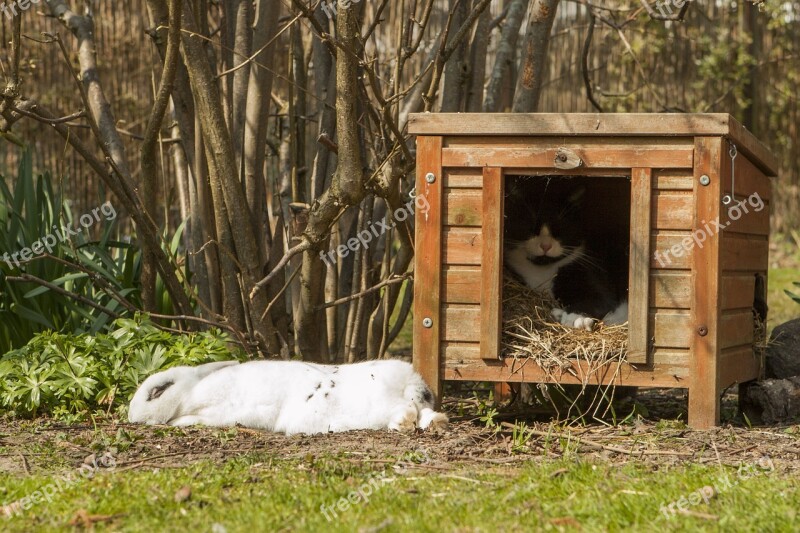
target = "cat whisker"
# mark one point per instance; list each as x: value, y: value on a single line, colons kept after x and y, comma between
x: 594, y: 263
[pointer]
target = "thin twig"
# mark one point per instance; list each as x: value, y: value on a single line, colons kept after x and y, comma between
x: 587, y: 44
x: 390, y: 281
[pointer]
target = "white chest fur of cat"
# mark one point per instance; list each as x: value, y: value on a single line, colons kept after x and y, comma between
x: 288, y: 397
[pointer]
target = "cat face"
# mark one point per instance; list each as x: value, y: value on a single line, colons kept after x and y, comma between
x: 550, y: 229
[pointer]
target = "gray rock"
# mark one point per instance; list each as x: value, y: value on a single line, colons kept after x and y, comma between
x: 772, y: 401
x: 783, y: 351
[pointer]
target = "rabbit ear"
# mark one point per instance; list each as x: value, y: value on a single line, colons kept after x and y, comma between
x: 209, y: 368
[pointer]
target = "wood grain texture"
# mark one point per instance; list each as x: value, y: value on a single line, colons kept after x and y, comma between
x: 672, y: 210
x: 463, y: 207
x: 461, y: 353
x: 744, y: 253
x: 510, y: 370
x: 427, y: 265
x: 738, y: 365
x: 595, y: 124
x: 535, y: 156
x: 671, y: 249
x: 704, y: 389
x: 462, y: 245
x: 639, y: 269
x: 669, y: 328
x: 749, y: 178
x: 736, y: 328
x: 461, y: 285
x: 670, y: 289
x: 750, y: 212
x: 463, y: 178
x: 544, y: 141
x: 738, y: 291
x: 491, y: 285
x: 673, y: 180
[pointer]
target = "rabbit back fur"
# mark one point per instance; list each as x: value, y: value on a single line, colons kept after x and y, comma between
x: 288, y: 397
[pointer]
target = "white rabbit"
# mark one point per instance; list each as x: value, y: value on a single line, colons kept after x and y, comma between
x: 289, y: 397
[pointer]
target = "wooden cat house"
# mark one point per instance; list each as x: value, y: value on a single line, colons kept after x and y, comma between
x: 698, y: 244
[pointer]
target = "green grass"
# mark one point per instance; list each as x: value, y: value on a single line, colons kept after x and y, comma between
x: 781, y: 307
x: 260, y: 492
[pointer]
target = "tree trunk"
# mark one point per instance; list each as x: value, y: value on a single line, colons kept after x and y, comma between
x: 455, y: 70
x: 504, y: 58
x: 477, y: 59
x: 257, y: 116
x: 224, y: 181
x: 104, y: 127
x: 148, y: 151
x: 531, y: 71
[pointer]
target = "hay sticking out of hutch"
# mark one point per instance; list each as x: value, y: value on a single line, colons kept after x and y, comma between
x: 529, y: 332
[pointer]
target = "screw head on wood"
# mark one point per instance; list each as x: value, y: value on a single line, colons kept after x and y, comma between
x: 429, y: 177
x: 705, y: 180
x: 703, y: 331
x: 427, y: 322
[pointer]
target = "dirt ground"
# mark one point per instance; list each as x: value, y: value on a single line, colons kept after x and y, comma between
x: 43, y: 446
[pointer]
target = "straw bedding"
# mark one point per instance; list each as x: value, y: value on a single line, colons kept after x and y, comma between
x: 530, y: 332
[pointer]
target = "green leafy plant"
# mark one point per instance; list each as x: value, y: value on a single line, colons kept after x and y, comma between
x: 792, y: 295
x: 98, y: 265
x: 67, y: 374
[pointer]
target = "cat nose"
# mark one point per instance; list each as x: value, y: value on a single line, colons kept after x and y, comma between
x: 545, y: 247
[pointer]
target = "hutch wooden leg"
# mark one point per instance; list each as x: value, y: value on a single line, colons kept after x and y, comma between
x: 427, y: 301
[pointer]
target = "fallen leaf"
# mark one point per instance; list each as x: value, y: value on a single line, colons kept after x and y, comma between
x: 183, y: 494
x: 566, y: 521
x: 11, y: 508
x: 83, y: 519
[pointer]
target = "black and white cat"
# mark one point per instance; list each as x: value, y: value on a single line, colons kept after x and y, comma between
x: 549, y: 245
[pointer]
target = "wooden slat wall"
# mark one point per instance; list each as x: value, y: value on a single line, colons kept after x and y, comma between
x: 462, y: 250
x: 744, y: 250
x: 668, y: 320
x: 670, y: 287
x: 541, y: 152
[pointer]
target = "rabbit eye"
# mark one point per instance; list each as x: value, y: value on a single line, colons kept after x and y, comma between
x: 156, y: 392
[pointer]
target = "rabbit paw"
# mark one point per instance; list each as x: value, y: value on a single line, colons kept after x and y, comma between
x: 404, y: 419
x: 573, y: 320
x: 430, y: 419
